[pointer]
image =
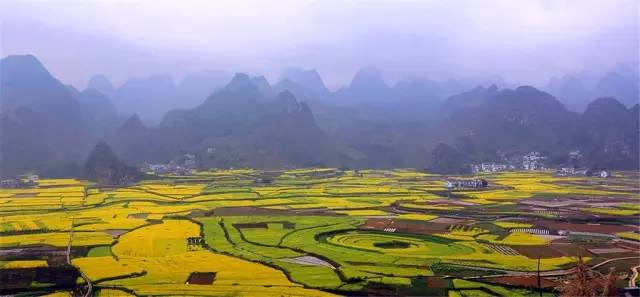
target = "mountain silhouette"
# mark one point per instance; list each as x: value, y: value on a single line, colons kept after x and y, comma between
x: 309, y: 79
x: 50, y: 127
x: 101, y: 83
x: 42, y: 119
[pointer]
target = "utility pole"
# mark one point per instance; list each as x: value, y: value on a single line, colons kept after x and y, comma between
x: 539, y: 280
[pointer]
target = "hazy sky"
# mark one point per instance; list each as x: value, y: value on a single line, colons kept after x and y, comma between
x: 521, y: 40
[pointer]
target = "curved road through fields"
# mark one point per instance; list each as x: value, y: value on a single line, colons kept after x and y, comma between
x: 559, y: 272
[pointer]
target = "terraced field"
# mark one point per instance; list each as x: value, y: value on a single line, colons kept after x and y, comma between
x: 313, y: 232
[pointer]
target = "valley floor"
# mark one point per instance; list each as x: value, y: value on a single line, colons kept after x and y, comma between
x: 317, y: 232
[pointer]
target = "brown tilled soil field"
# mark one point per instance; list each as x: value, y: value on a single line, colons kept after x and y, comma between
x: 607, y: 229
x: 523, y: 281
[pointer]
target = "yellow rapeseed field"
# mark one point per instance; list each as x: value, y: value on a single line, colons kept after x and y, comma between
x: 161, y: 251
x: 59, y: 239
x: 629, y: 235
x: 97, y: 268
x: 515, y: 239
x: 612, y: 211
x: 24, y: 264
x: 509, y: 225
x: 416, y: 217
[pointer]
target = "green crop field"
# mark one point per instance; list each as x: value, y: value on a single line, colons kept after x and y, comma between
x: 316, y: 232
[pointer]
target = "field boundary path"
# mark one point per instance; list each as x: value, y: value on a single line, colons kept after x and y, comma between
x: 85, y: 277
x: 614, y: 259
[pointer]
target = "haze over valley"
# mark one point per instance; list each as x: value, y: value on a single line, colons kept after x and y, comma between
x: 350, y: 84
x: 261, y: 148
x: 246, y: 121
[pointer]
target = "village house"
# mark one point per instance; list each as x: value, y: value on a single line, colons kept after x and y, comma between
x: 575, y: 155
x: 170, y: 168
x: 263, y: 180
x: 466, y: 184
x: 27, y: 181
x: 491, y: 167
x: 190, y: 161
x: 10, y: 183
x: 533, y: 161
x: 601, y: 173
x: 571, y: 171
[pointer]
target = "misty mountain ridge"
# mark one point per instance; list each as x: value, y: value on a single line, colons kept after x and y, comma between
x: 250, y: 123
x: 498, y: 120
x: 42, y: 120
x: 252, y: 128
x: 101, y: 83
x: 367, y: 87
x: 577, y: 91
x: 152, y: 96
x: 195, y: 86
x: 307, y: 78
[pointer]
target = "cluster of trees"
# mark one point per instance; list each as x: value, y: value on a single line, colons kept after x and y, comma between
x: 586, y: 282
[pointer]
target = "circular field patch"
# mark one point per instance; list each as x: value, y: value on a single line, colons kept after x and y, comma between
x: 394, y: 244
x: 397, y: 243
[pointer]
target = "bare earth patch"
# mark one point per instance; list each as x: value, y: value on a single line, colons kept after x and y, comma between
x: 608, y: 251
x: 138, y: 216
x: 201, y: 278
x: 116, y: 232
x: 309, y: 260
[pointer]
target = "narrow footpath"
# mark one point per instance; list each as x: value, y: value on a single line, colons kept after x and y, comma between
x: 86, y: 279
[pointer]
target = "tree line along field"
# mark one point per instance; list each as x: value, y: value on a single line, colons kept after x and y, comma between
x: 315, y: 232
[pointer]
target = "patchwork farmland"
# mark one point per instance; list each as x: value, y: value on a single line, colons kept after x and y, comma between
x: 316, y: 232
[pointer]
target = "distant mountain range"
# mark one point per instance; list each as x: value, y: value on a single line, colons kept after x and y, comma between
x: 50, y: 128
x: 577, y: 91
x: 42, y: 119
x: 152, y: 96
